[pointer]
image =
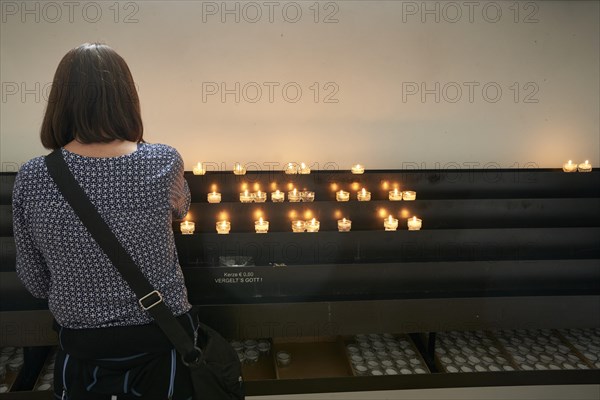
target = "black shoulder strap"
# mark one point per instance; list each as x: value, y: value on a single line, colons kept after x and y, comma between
x: 149, y: 298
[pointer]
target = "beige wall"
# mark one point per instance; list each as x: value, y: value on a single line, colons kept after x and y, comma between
x: 375, y: 54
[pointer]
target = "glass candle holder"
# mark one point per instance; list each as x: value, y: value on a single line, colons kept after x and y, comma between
x: 358, y: 169
x: 585, y: 167
x: 395, y: 195
x: 291, y: 169
x: 294, y: 196
x: 363, y: 195
x: 570, y: 167
x: 264, y: 346
x: 344, y: 225
x: 283, y: 358
x: 390, y: 223
x: 304, y: 169
x: 251, y: 355
x: 223, y: 227
x: 307, y: 196
x: 246, y: 197
x: 312, y: 225
x: 409, y: 195
x: 277, y: 196
x: 198, y: 169
x: 238, y: 169
x: 187, y: 227
x: 260, y: 197
x: 342, y: 195
x: 414, y: 224
x: 298, y: 226
x: 261, y: 226
x: 214, y: 197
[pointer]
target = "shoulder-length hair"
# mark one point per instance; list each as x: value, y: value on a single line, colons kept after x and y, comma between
x: 92, y: 99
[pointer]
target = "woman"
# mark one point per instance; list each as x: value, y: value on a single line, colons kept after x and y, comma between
x: 109, y: 346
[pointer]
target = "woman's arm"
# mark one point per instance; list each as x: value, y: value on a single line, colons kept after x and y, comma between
x: 180, y: 192
x: 31, y: 266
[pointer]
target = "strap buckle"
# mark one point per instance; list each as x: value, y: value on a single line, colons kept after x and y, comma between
x: 154, y: 292
x: 197, y: 360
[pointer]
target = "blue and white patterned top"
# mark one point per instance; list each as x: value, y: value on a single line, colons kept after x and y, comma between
x: 137, y: 194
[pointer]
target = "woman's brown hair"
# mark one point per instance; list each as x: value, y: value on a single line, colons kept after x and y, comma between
x: 92, y: 99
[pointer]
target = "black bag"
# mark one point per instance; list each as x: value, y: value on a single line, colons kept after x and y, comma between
x: 214, y: 365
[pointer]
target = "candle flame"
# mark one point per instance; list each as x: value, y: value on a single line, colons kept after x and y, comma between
x: 396, y: 191
x: 586, y: 162
x: 246, y: 192
x: 277, y: 192
x: 260, y: 220
x: 295, y: 191
x: 258, y: 193
x: 414, y: 218
x: 364, y: 191
x: 344, y: 220
x: 390, y: 218
x: 303, y: 166
x: 570, y: 162
x: 313, y: 221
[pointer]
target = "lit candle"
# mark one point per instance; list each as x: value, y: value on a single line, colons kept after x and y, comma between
x: 214, y: 197
x: 363, y: 195
x: 239, y: 170
x: 223, y: 227
x: 260, y: 197
x: 585, y: 167
x: 261, y: 226
x: 344, y: 225
x: 298, y: 226
x: 246, y: 197
x: 291, y: 168
x: 307, y: 196
x: 304, y: 169
x: 342, y: 196
x: 390, y: 223
x: 409, y: 195
x: 277, y: 196
x: 358, y: 169
x: 312, y: 225
x: 199, y: 169
x: 187, y: 227
x: 414, y: 224
x: 570, y: 167
x: 294, y: 196
x: 395, y: 195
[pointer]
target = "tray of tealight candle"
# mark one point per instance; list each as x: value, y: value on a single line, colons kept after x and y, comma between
x: 472, y: 351
x: 539, y: 350
x: 378, y: 354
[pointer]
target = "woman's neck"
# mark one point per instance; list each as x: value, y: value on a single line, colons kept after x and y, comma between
x: 110, y: 149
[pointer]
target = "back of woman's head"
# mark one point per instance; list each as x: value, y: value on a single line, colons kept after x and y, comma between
x: 92, y: 99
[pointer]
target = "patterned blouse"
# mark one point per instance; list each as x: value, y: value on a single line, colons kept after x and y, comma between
x: 137, y: 194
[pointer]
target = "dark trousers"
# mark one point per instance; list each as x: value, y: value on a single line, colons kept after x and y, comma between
x: 135, y: 362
